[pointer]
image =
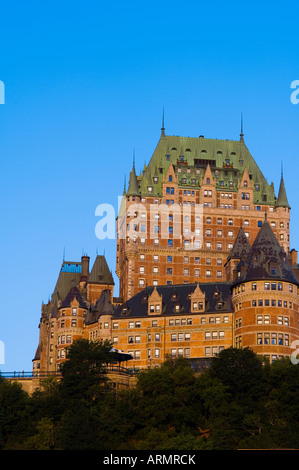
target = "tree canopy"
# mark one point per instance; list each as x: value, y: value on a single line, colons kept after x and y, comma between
x: 238, y: 402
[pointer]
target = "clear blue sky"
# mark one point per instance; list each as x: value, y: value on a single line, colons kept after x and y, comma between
x: 85, y: 84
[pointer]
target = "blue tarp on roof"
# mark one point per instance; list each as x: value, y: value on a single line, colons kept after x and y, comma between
x: 71, y: 268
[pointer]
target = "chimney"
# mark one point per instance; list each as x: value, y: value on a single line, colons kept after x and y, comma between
x: 294, y: 259
x: 84, y: 268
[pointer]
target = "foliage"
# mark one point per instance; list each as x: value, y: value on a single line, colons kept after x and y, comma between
x: 238, y: 402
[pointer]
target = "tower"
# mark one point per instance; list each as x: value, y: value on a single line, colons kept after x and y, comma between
x: 205, y: 189
x: 265, y: 299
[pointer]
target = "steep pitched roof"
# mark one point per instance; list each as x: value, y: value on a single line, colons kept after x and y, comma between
x: 100, y: 273
x: 103, y: 306
x: 133, y: 184
x: 74, y: 293
x: 241, y: 246
x: 282, y: 200
x: 180, y: 295
x: 266, y: 259
x: 228, y: 157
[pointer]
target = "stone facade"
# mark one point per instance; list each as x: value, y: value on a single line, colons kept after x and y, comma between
x: 203, y: 260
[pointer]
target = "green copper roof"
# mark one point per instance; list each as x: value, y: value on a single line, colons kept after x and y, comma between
x: 227, y: 159
x: 282, y: 200
x: 133, y: 189
x: 100, y: 273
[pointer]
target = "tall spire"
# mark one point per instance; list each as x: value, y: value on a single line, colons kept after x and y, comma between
x: 242, y: 133
x: 163, y: 128
x: 282, y: 200
x: 133, y: 183
x: 125, y: 185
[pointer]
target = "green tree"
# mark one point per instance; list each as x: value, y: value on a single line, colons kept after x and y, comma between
x: 15, y: 421
x: 84, y: 384
x: 44, y: 438
x: 241, y: 379
x: 243, y: 373
x: 84, y: 373
x: 168, y: 408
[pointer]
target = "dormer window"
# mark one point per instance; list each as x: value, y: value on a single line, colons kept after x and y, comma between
x: 150, y: 189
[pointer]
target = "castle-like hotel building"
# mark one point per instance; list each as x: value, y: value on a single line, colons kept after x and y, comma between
x: 203, y: 259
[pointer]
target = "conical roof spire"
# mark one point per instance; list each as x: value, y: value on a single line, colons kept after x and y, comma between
x: 163, y: 128
x: 241, y: 246
x: 282, y: 200
x: 133, y: 183
x: 242, y: 134
x: 267, y: 259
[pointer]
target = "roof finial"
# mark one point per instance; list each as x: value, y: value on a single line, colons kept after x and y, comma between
x: 134, y: 158
x: 282, y: 168
x: 242, y: 134
x: 163, y: 128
